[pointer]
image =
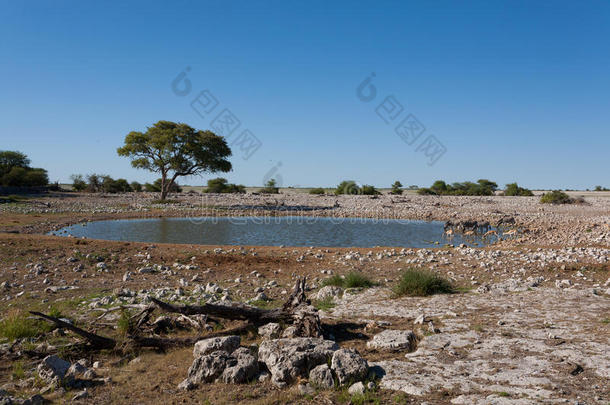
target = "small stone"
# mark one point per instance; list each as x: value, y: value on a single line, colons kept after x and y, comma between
x: 356, y: 389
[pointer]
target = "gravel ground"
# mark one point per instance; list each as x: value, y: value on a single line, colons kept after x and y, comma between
x: 531, y: 323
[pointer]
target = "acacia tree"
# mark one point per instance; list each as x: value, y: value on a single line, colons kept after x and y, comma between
x: 175, y: 150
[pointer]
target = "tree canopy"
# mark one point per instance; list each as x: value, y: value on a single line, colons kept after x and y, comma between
x: 15, y: 171
x: 175, y: 150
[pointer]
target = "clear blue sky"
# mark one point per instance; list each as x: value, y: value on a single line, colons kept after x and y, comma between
x: 515, y: 90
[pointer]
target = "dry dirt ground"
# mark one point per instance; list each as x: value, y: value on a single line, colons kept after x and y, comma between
x: 530, y: 323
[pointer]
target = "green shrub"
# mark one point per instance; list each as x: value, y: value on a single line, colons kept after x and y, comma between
x: 513, y: 189
x: 556, y: 197
x: 317, y: 190
x: 15, y: 171
x: 220, y: 185
x: 353, y: 279
x: 348, y: 187
x: 94, y: 183
x: 25, y: 177
x: 78, y: 182
x: 270, y: 188
x: 481, y: 187
x: 396, y: 188
x: 109, y: 185
x: 420, y: 283
x: 600, y: 188
x: 369, y: 190
x: 155, y: 187
x: 426, y: 191
x: 135, y: 186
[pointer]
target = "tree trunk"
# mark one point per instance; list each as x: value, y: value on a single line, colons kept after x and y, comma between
x: 163, y: 186
x: 254, y: 315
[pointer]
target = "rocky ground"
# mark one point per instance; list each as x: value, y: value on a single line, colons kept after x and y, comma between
x: 530, y: 323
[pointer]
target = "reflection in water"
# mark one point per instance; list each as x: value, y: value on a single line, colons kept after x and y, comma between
x: 272, y: 231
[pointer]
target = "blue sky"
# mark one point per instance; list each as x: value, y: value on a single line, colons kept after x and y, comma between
x: 514, y: 91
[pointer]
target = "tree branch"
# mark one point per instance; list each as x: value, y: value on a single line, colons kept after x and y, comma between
x: 97, y: 341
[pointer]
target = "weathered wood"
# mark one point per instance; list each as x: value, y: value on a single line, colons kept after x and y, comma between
x: 297, y: 297
x: 256, y: 316
x: 297, y: 311
x: 97, y: 341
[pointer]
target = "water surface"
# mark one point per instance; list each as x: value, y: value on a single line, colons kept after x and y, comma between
x: 270, y: 231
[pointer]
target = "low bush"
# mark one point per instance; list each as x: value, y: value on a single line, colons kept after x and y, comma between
x: 420, y: 283
x: 348, y: 187
x: 156, y: 187
x: 556, y: 197
x: 513, y: 189
x: 600, y: 188
x: 220, y: 185
x: 78, y: 182
x: 270, y: 188
x: 481, y: 187
x: 317, y: 190
x: 353, y: 279
x: 369, y: 190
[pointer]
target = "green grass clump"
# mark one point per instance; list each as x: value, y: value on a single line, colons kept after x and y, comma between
x: 124, y: 324
x: 18, y: 371
x: 421, y: 283
x: 556, y: 197
x: 325, y: 304
x: 17, y: 326
x: 317, y: 190
x: 353, y: 279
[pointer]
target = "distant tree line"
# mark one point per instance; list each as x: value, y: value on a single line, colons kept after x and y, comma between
x: 101, y: 183
x: 481, y: 187
x: 15, y: 171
